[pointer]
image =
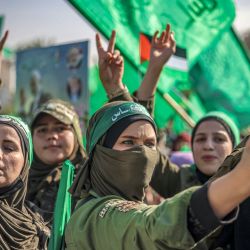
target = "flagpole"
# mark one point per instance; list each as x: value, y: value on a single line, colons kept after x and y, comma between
x: 183, y: 114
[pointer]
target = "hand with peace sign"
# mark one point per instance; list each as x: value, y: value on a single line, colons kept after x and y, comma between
x: 111, y: 65
x: 162, y: 49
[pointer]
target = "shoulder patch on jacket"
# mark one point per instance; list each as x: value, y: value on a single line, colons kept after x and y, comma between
x: 121, y: 205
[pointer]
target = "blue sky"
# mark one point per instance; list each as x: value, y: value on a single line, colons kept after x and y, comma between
x: 57, y: 20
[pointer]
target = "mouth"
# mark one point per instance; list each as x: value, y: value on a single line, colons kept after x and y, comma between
x: 208, y: 158
x: 52, y: 147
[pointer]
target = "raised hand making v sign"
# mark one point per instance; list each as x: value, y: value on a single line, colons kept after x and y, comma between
x: 162, y: 49
x: 111, y: 66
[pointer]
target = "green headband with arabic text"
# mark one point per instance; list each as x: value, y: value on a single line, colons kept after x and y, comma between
x: 108, y: 115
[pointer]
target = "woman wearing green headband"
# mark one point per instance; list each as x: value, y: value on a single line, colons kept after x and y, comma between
x: 20, y: 226
x: 213, y: 138
x: 121, y: 145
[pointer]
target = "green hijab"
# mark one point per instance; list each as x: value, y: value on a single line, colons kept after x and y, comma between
x: 20, y: 228
x: 230, y: 127
x: 221, y: 117
x: 112, y: 172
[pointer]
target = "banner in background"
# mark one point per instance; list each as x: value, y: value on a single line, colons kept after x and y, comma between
x: 189, y: 19
x: 52, y: 72
x: 222, y: 78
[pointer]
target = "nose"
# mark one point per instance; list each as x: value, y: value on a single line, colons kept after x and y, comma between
x: 209, y: 144
x: 52, y: 135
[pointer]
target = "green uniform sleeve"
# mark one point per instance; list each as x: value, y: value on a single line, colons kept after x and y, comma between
x: 168, y: 179
x: 113, y: 223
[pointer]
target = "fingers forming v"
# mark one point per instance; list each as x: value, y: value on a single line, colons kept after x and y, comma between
x: 111, y: 44
x: 154, y: 39
x: 163, y: 37
x: 167, y: 37
x: 98, y: 44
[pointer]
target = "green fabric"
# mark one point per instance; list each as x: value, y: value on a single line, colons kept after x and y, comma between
x: 223, y: 116
x: 163, y: 112
x: 63, y: 209
x: 23, y: 131
x: 99, y: 124
x: 131, y: 17
x: 44, y: 179
x: 169, y: 179
x: 242, y: 224
x: 113, y: 223
x: 8, y: 53
x: 135, y: 166
x: 20, y: 226
x: 222, y: 78
x: 109, y: 114
x: 189, y: 19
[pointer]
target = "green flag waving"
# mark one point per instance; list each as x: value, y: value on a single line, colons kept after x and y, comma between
x: 189, y: 19
x: 222, y: 78
x: 63, y: 209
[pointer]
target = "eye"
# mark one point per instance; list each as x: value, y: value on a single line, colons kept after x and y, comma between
x: 219, y: 139
x: 42, y: 130
x: 9, y: 147
x: 200, y: 139
x: 128, y: 142
x: 59, y: 129
x: 150, y: 144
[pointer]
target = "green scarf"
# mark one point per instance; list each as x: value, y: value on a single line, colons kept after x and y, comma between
x: 108, y: 171
x: 62, y: 207
x: 20, y: 227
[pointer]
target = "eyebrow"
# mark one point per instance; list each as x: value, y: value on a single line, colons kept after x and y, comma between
x: 135, y: 137
x: 215, y: 133
x: 46, y: 124
x: 13, y: 141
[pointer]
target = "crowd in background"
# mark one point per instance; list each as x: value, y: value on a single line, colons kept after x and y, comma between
x: 133, y: 188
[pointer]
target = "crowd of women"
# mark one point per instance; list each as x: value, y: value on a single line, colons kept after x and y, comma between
x: 207, y: 202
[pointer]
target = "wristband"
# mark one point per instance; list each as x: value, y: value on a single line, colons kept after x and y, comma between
x: 116, y: 92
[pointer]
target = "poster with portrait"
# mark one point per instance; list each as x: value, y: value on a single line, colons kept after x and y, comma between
x: 52, y: 72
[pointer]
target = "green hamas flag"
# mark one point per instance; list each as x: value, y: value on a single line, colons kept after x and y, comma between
x: 189, y: 19
x: 222, y: 78
x: 196, y: 23
x: 164, y: 113
x: 63, y: 208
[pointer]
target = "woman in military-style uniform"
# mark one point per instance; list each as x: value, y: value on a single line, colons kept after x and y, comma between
x: 121, y: 145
